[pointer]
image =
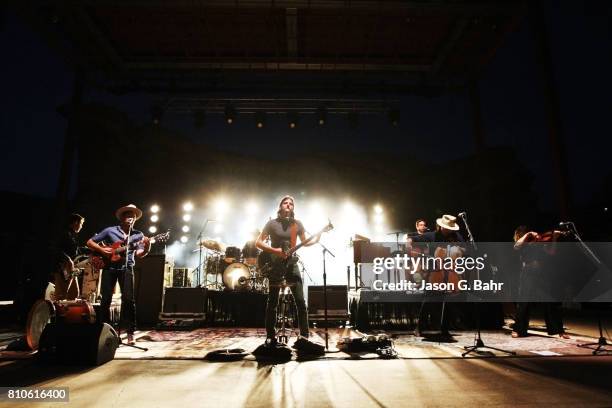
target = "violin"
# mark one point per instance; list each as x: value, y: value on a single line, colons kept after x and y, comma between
x: 548, y: 236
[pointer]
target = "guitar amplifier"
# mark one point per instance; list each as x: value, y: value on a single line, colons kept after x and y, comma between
x: 180, y: 278
x: 337, y: 303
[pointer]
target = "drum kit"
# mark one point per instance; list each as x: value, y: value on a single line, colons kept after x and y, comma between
x: 82, y: 295
x: 232, y: 268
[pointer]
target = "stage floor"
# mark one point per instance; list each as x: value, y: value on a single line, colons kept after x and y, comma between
x: 547, y: 371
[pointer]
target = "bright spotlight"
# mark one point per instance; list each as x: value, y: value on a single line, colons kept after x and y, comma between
x: 221, y: 206
x: 152, y: 229
x: 188, y: 206
x: 154, y: 208
x: 251, y: 208
x: 154, y: 218
x: 378, y: 209
x: 184, y: 239
x: 185, y: 228
x: 218, y: 228
x: 187, y: 217
x: 378, y: 218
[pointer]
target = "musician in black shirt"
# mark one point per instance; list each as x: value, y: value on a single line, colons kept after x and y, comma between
x: 283, y: 232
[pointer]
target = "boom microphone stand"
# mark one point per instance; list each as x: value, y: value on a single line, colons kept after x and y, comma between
x: 478, y: 343
x: 601, y: 342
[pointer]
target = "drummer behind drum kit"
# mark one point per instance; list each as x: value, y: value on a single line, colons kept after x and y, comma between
x: 237, y: 268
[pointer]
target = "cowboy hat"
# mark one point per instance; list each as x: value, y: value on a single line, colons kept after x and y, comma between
x: 130, y: 207
x: 448, y: 222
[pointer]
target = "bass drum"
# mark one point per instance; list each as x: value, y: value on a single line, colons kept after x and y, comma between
x: 41, y: 314
x: 75, y: 312
x: 237, y: 276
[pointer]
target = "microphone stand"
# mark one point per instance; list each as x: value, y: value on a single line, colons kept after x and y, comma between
x: 478, y: 343
x: 601, y: 342
x: 325, y: 250
x: 125, y: 269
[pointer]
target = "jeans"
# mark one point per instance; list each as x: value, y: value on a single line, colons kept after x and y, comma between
x: 294, y: 280
x: 128, y: 304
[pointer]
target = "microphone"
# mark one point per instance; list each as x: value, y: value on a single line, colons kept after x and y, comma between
x: 565, y: 223
x: 462, y: 214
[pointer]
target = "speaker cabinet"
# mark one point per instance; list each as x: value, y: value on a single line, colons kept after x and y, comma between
x: 181, y: 278
x: 185, y: 300
x: 149, y: 288
x: 80, y: 344
x: 337, y: 302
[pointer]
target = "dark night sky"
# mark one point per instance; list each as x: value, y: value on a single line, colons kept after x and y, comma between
x: 36, y: 80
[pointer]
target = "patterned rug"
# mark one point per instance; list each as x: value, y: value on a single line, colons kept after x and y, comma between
x: 197, y: 343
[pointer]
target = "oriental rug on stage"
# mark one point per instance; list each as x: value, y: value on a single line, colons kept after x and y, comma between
x: 197, y: 343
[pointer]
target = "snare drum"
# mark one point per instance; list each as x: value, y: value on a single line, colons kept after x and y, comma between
x: 232, y: 254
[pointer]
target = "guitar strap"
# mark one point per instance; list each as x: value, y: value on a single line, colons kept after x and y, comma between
x: 293, y: 234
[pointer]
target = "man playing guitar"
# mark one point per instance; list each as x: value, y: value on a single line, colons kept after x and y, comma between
x: 120, y: 270
x: 283, y: 232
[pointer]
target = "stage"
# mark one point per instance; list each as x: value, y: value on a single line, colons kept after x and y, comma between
x: 547, y: 370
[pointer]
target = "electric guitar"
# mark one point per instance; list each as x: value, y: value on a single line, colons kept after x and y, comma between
x: 119, y: 248
x: 268, y: 262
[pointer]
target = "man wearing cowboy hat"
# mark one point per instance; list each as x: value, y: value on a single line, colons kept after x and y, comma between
x: 281, y: 230
x: 447, y: 231
x: 121, y: 271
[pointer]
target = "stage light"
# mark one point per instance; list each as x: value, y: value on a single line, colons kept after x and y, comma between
x: 154, y: 218
x: 221, y: 206
x: 378, y: 209
x: 230, y: 114
x: 322, y: 116
x: 185, y: 228
x: 292, y: 118
x: 199, y: 119
x: 218, y: 228
x: 184, y: 239
x: 157, y: 112
x: 187, y: 217
x: 152, y: 229
x: 394, y: 116
x: 251, y: 208
x: 188, y: 206
x: 379, y: 218
x: 260, y: 119
x: 155, y: 208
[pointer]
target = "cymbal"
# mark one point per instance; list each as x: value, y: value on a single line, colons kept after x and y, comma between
x: 212, y: 245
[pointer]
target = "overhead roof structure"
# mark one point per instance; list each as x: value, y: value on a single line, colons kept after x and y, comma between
x: 261, y: 45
